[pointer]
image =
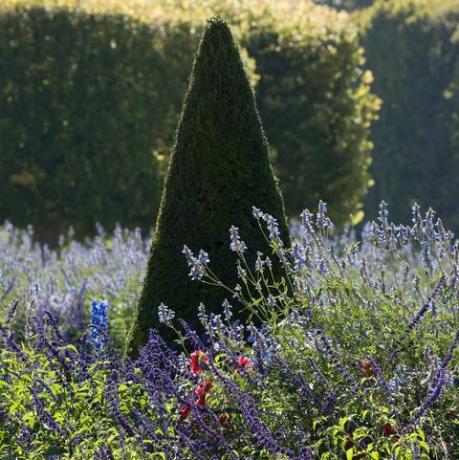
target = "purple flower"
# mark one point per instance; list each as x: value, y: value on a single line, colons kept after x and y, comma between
x: 429, y: 304
x: 236, y: 244
x: 165, y: 314
x: 197, y: 264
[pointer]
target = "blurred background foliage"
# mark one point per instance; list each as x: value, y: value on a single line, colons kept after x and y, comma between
x: 412, y: 48
x: 91, y: 91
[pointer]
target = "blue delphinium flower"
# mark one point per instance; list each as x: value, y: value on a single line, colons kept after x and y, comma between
x: 99, y: 324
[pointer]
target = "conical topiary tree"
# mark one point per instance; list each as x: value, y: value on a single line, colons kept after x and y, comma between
x: 219, y: 169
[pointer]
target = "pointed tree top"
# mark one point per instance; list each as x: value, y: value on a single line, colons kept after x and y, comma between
x: 217, y: 21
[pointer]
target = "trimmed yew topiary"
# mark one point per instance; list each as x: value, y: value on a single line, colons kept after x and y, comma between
x: 219, y: 169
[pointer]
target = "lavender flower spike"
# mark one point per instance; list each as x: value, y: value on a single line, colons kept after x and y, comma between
x: 430, y: 302
x: 165, y: 314
x: 197, y: 264
x: 236, y: 244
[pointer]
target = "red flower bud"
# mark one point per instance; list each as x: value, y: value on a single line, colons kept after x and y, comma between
x: 201, y: 402
x: 366, y: 369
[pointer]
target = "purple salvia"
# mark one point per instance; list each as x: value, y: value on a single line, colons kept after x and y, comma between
x: 428, y: 304
x: 45, y: 418
x: 379, y: 375
x: 297, y: 380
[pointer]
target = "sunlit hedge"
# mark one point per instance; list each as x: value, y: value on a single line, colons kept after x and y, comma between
x: 90, y: 94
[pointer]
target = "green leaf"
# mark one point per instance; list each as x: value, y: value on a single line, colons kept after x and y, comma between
x: 424, y: 446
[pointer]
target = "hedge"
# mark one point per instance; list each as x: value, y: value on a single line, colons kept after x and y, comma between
x: 91, y: 93
x: 219, y: 170
x: 412, y: 50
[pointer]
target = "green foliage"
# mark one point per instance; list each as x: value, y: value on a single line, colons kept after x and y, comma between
x: 79, y: 406
x: 314, y: 98
x: 79, y: 402
x: 80, y: 109
x: 219, y: 169
x: 410, y: 49
x: 90, y: 93
x: 358, y: 361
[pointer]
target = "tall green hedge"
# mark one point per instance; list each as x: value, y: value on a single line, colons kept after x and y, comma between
x: 90, y: 95
x: 412, y: 50
x: 77, y: 93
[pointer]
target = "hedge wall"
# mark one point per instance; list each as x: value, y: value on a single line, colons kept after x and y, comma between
x: 80, y: 116
x: 412, y: 49
x: 90, y: 94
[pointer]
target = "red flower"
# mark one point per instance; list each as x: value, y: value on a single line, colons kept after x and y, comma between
x: 366, y: 369
x: 223, y: 418
x: 245, y: 362
x: 183, y: 412
x: 388, y: 429
x: 203, y: 388
x: 198, y: 361
x: 201, y: 402
x: 201, y: 391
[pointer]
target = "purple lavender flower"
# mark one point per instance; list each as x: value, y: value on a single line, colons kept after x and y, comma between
x: 429, y: 304
x: 236, y: 244
x: 273, y: 229
x: 299, y: 256
x: 322, y: 221
x: 257, y: 213
x: 165, y: 314
x: 197, y: 264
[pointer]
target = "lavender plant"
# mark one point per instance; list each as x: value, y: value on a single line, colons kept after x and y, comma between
x: 357, y: 357
x: 63, y: 280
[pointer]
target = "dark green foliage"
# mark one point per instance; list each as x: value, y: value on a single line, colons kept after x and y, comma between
x: 88, y: 96
x: 219, y: 169
x: 410, y: 51
x: 80, y: 116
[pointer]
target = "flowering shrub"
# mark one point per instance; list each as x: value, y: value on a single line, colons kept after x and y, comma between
x: 357, y: 358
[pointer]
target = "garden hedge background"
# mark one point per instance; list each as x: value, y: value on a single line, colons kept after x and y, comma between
x: 90, y: 95
x: 412, y: 48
